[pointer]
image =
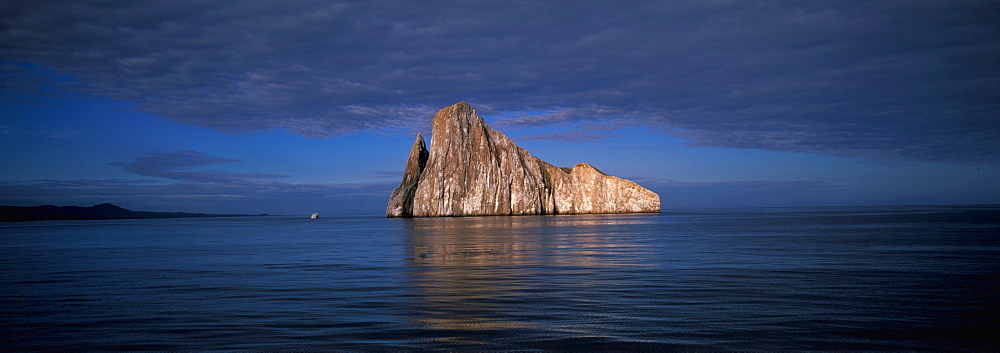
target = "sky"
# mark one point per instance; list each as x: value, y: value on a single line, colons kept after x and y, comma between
x: 294, y: 107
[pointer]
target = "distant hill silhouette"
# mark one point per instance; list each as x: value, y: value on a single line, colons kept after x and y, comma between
x: 102, y: 211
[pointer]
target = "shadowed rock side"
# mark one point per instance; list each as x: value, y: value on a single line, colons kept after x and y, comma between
x: 401, y: 199
x: 472, y: 170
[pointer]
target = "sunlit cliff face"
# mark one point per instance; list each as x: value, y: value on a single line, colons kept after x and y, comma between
x: 473, y: 170
x: 465, y: 269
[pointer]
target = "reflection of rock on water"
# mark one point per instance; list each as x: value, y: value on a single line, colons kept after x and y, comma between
x: 463, y: 273
x: 479, y: 275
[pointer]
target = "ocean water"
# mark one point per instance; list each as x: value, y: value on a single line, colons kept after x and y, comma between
x: 775, y: 279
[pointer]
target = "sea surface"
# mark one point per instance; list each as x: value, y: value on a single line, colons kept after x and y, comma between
x: 915, y: 278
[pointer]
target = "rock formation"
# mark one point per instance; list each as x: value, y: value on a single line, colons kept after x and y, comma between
x: 472, y: 170
x: 401, y: 199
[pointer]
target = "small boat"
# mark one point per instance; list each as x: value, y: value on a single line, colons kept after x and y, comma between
x: 314, y: 215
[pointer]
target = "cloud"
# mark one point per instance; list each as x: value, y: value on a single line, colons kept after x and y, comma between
x: 176, y: 165
x: 183, y: 184
x: 564, y: 136
x: 582, y: 132
x: 249, y: 197
x: 890, y: 80
x: 185, y: 181
x: 751, y: 193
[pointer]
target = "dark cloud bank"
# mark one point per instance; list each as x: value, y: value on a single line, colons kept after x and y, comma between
x: 886, y: 80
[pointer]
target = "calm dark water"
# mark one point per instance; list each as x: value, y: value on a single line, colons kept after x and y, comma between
x: 821, y: 279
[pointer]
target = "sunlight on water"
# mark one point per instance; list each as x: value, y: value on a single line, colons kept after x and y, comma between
x: 474, y: 273
x: 889, y: 279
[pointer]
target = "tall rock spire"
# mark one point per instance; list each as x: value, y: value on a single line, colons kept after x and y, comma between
x: 401, y: 199
x: 472, y: 170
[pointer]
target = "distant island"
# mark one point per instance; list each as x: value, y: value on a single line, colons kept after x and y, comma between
x: 102, y: 211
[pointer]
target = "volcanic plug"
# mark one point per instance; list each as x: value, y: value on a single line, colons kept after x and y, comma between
x: 473, y: 170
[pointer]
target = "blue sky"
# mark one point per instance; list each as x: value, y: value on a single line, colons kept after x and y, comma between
x: 295, y: 107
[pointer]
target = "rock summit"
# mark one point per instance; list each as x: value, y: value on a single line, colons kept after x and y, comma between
x: 473, y: 170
